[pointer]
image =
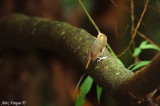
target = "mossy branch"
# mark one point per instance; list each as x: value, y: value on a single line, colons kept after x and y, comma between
x: 24, y: 33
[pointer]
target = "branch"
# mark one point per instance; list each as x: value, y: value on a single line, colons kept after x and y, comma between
x: 24, y: 33
x: 135, y: 31
x: 142, y: 83
x: 146, y: 79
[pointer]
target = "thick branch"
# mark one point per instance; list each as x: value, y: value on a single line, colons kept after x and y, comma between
x: 139, y: 85
x: 146, y: 79
x: 22, y: 32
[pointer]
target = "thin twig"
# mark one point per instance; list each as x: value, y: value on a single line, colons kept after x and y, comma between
x: 98, y: 30
x: 125, y: 9
x: 132, y: 21
x: 147, y: 39
x: 138, y: 24
x: 132, y: 16
x: 132, y: 27
x: 90, y: 18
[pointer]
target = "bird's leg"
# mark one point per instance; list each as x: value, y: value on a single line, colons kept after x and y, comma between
x: 101, y: 58
x: 102, y: 51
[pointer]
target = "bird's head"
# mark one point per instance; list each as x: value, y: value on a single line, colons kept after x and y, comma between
x: 102, y: 37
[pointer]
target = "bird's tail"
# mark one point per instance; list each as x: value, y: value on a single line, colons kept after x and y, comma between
x: 89, y: 59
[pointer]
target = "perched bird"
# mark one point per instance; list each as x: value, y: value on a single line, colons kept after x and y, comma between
x: 96, y: 48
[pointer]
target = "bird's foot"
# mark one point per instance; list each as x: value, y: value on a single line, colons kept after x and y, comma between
x: 101, y: 58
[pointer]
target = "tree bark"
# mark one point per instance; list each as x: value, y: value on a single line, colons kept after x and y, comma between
x: 24, y: 33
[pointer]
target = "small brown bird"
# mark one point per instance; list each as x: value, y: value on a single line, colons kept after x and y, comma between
x: 96, y: 48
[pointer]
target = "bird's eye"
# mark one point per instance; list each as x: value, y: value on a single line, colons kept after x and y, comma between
x: 100, y: 35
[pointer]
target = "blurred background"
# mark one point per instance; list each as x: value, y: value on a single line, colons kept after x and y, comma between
x: 42, y: 77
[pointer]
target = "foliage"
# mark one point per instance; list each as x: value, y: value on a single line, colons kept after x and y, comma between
x: 137, y: 51
x: 85, y: 88
x: 144, y: 46
x: 138, y: 65
x: 99, y: 91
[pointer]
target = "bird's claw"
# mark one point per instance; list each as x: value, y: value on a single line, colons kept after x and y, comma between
x: 101, y: 58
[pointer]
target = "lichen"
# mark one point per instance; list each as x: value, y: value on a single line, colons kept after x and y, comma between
x: 117, y: 73
x: 63, y: 32
x: 97, y: 67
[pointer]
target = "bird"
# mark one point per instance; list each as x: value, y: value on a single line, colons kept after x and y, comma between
x: 97, y: 48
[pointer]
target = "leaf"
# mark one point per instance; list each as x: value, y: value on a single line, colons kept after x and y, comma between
x: 137, y: 51
x: 79, y: 101
x: 84, y: 89
x: 143, y: 43
x: 99, y: 91
x: 140, y: 64
x: 78, y: 84
x: 86, y: 86
x: 150, y: 46
x: 132, y: 65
